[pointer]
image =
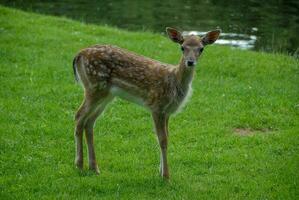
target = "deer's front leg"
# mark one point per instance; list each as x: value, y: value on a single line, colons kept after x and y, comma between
x: 160, y: 121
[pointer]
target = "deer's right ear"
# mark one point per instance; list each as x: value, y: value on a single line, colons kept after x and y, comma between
x: 175, y: 35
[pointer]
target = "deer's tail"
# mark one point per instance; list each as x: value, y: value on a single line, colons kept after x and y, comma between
x: 75, y: 64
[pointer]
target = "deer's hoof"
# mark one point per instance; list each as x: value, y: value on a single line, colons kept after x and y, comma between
x: 79, y: 164
x: 165, y: 176
x: 95, y: 169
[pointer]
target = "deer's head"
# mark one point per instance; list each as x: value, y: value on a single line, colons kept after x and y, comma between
x: 192, y: 46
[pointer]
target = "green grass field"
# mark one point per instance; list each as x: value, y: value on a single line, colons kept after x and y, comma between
x: 238, y: 137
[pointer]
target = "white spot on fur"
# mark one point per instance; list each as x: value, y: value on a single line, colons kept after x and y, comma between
x: 102, y: 66
x: 109, y: 51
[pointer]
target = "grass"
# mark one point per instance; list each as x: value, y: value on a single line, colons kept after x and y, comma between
x: 236, y: 139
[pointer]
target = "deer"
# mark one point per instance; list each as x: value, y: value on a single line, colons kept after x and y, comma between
x: 107, y: 71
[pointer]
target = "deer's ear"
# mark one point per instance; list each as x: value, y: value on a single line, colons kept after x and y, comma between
x: 211, y: 37
x: 175, y: 35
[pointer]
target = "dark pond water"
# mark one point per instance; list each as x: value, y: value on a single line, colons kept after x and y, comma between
x: 271, y: 25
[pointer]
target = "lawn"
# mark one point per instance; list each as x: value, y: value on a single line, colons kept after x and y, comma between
x: 238, y: 137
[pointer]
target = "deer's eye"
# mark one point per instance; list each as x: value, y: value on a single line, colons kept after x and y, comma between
x: 182, y: 48
x: 200, y: 50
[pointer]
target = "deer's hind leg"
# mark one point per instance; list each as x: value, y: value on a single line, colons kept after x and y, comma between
x: 87, y: 113
x: 79, y: 134
x: 89, y: 131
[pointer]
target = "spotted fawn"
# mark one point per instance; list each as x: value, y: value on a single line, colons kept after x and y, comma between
x: 108, y: 71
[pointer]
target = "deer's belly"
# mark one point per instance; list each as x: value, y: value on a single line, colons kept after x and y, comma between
x: 128, y: 91
x: 129, y: 96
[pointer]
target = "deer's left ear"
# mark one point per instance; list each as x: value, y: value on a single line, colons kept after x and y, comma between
x: 175, y: 35
x: 210, y: 37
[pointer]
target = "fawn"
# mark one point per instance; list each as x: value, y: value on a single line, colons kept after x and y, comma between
x: 108, y: 71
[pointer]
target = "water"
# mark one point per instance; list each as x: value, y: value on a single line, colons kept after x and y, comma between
x: 272, y: 25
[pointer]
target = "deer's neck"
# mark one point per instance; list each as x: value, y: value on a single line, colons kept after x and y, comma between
x: 184, y: 75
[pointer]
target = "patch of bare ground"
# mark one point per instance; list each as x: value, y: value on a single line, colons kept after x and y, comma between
x: 251, y: 131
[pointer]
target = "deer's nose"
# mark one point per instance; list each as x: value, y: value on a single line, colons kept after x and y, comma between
x: 190, y: 63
